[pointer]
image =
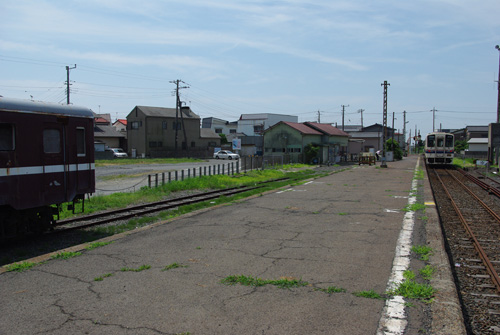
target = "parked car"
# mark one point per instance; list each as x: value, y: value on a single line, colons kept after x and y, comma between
x: 223, y: 154
x: 118, y: 152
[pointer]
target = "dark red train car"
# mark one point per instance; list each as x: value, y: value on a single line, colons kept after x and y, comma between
x: 46, y: 158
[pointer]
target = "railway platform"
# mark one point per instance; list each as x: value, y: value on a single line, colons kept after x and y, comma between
x: 347, y: 232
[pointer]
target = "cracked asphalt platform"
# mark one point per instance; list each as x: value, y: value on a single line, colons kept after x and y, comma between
x: 339, y: 230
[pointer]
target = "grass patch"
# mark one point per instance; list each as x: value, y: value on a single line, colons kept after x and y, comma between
x: 427, y: 271
x: 20, y: 267
x: 139, y: 269
x: 283, y: 282
x: 422, y: 251
x: 101, y: 278
x: 419, y: 174
x: 331, y: 289
x: 414, y: 207
x: 342, y: 213
x: 145, y: 194
x: 66, y: 255
x: 173, y: 266
x: 95, y: 245
x: 413, y: 290
x: 368, y: 294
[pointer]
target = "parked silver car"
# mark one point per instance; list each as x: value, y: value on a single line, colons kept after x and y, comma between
x: 223, y: 154
x: 118, y: 152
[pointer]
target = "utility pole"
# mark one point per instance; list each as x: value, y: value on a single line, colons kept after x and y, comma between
x: 392, y: 131
x: 177, y: 108
x: 67, y: 82
x: 498, y: 102
x: 433, y: 110
x: 343, y: 110
x: 404, y: 131
x: 361, y: 111
x: 319, y: 116
x: 384, y: 163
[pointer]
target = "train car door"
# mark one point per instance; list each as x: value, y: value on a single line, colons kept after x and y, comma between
x: 54, y: 159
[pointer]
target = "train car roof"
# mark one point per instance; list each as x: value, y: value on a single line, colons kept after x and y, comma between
x: 30, y: 106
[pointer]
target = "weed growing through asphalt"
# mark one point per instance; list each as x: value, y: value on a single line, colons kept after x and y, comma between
x: 427, y: 271
x: 419, y: 175
x: 173, y: 266
x: 20, y: 267
x: 342, y: 213
x: 101, y: 278
x: 423, y: 251
x: 139, y: 269
x: 368, y: 294
x: 66, y: 255
x: 283, y: 282
x: 97, y: 245
x: 414, y: 207
x: 331, y: 289
x: 413, y: 290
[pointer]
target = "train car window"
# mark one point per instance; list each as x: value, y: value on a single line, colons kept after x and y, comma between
x: 7, y: 137
x: 80, y: 142
x: 440, y: 142
x: 449, y: 140
x: 431, y: 140
x: 51, y: 141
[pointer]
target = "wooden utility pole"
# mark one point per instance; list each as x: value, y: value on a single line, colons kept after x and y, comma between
x: 67, y: 82
x: 343, y: 110
x: 177, y: 109
x: 361, y: 111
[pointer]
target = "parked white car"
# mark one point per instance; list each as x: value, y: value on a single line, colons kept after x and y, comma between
x: 118, y: 152
x: 223, y: 154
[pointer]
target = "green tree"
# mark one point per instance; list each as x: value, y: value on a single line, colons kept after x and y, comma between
x: 223, y: 139
x: 461, y: 145
x: 311, y: 152
x: 393, y: 145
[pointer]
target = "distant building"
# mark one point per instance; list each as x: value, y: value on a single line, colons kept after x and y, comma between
x: 219, y: 126
x: 289, y: 139
x: 120, y: 125
x: 164, y: 132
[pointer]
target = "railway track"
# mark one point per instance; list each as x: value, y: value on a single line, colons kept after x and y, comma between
x: 472, y: 230
x: 149, y: 208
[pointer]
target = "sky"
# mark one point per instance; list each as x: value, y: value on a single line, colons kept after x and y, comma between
x: 307, y: 58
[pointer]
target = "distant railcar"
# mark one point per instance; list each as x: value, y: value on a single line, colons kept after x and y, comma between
x: 46, y: 159
x: 439, y: 148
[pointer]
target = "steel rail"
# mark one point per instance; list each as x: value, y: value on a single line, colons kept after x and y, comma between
x: 153, y: 204
x: 482, y: 203
x: 158, y: 206
x: 481, y: 183
x: 484, y: 257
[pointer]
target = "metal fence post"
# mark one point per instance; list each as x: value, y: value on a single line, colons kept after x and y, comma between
x: 169, y: 176
x: 149, y: 180
x: 182, y: 175
x: 237, y: 167
x: 156, y: 179
x: 163, y: 178
x: 176, y: 175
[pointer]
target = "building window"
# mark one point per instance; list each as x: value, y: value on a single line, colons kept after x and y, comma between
x: 176, y: 125
x: 193, y: 144
x: 7, y: 137
x: 51, y: 141
x: 164, y: 125
x: 232, y: 131
x: 135, y: 124
x: 218, y: 130
x: 80, y: 142
x: 152, y: 144
x: 258, y: 129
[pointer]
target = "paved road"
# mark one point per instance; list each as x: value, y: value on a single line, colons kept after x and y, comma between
x: 340, y: 230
